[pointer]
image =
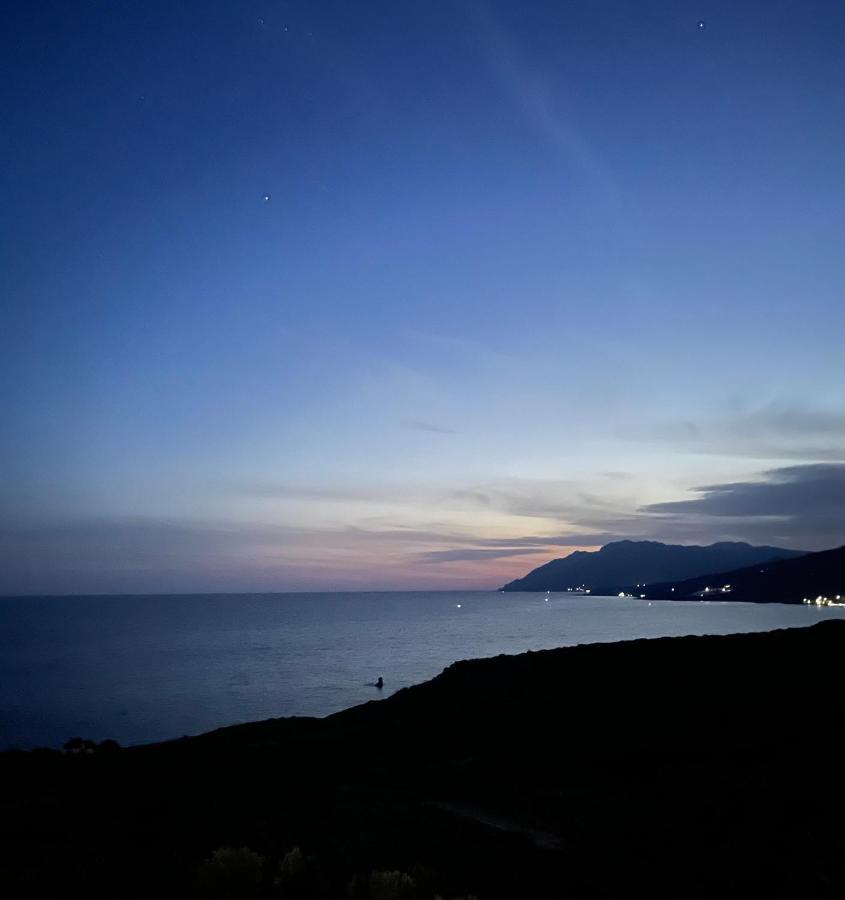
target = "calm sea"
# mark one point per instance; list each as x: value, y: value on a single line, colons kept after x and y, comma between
x: 147, y: 668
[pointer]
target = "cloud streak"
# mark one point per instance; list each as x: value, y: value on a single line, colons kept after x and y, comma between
x: 774, y: 431
x: 473, y: 553
x: 542, y: 108
x: 815, y: 492
x: 417, y: 425
x: 800, y: 506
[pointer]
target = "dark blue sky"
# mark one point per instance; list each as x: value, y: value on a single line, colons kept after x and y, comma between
x: 392, y: 294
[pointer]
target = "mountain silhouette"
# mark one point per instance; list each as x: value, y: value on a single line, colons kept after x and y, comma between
x: 784, y: 581
x: 621, y: 564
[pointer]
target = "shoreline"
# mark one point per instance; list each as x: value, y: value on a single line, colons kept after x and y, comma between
x: 501, y: 777
x: 697, y: 629
x: 246, y: 665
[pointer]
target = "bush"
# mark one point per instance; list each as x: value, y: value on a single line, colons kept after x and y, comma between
x: 80, y: 745
x: 392, y: 886
x: 231, y: 873
x: 298, y: 878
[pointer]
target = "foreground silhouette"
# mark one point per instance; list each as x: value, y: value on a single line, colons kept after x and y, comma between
x: 678, y: 767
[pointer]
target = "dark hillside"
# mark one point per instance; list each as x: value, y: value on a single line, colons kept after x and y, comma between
x: 783, y: 581
x: 674, y: 767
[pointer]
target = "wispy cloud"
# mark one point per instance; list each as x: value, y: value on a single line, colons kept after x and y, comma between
x: 772, y: 431
x: 800, y: 506
x: 502, y: 548
x: 282, y: 491
x: 543, y: 105
x: 125, y: 554
x: 417, y: 425
x: 571, y: 539
x: 562, y: 500
x: 465, y: 554
x: 381, y: 494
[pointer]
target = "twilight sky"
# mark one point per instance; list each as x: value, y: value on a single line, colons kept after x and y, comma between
x: 323, y: 295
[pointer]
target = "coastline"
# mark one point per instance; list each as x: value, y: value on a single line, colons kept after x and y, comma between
x: 121, y: 671
x: 501, y: 777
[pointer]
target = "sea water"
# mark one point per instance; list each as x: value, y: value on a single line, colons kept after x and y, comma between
x: 147, y: 668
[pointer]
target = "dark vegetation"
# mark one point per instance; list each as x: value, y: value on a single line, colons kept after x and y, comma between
x: 780, y: 581
x: 83, y: 745
x: 625, y: 563
x: 679, y: 767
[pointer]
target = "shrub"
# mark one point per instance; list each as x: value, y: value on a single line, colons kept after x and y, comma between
x: 80, y: 745
x: 392, y: 886
x: 299, y: 877
x: 231, y: 873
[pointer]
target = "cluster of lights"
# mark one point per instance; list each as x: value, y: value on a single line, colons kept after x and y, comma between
x: 824, y: 601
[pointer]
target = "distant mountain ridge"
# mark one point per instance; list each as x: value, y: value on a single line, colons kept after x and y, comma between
x: 620, y: 564
x: 814, y: 575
